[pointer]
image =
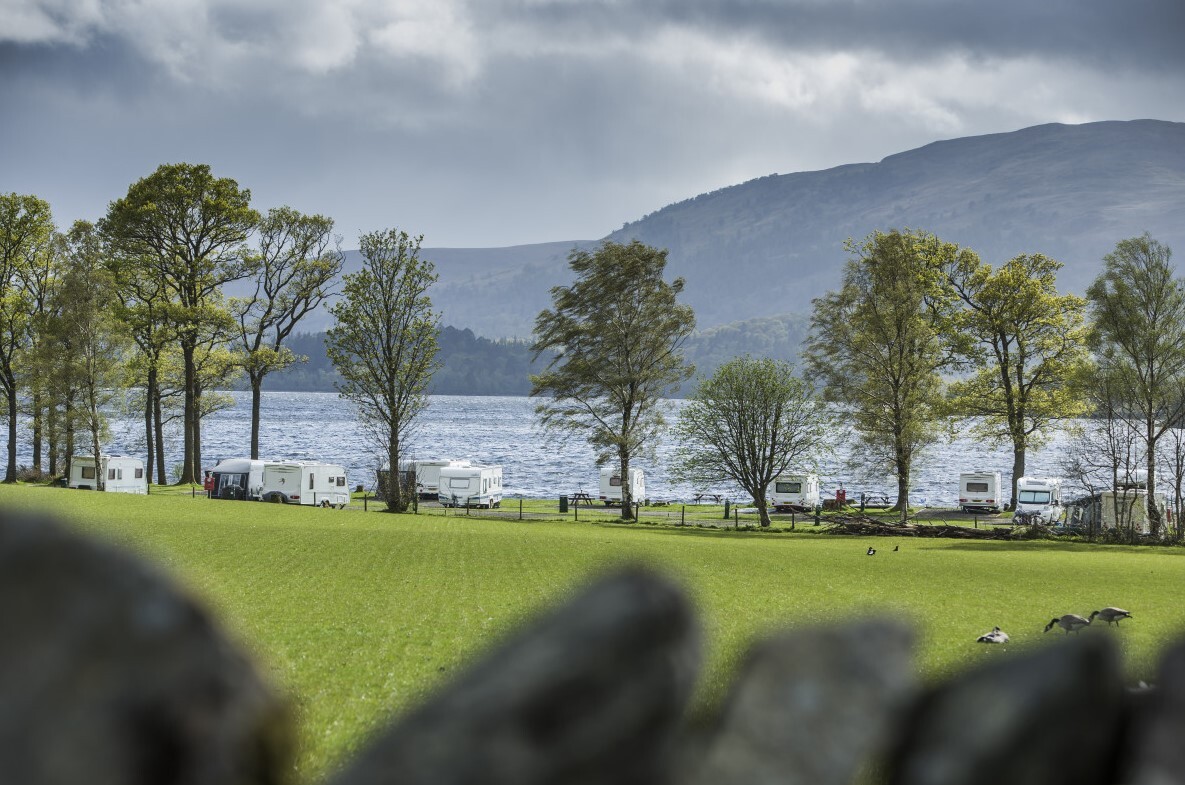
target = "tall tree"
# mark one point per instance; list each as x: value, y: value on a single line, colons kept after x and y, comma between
x: 1138, y: 307
x: 384, y: 343
x: 880, y: 342
x: 617, y: 336
x: 751, y: 421
x: 26, y: 236
x: 190, y: 228
x: 297, y: 268
x: 1030, y: 342
x: 89, y: 365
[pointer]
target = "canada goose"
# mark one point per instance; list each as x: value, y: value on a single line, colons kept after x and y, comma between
x: 997, y: 635
x: 1110, y: 615
x: 1071, y: 622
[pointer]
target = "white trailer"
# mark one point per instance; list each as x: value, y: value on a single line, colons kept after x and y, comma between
x: 119, y: 474
x: 471, y: 486
x: 1125, y: 509
x: 1041, y: 496
x: 310, y: 483
x: 426, y: 474
x: 794, y: 492
x: 979, y: 491
x: 610, y: 486
x: 237, y: 478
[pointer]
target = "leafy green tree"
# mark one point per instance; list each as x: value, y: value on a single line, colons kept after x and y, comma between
x: 1138, y: 308
x: 296, y: 270
x: 1030, y: 342
x: 26, y: 237
x: 617, y: 335
x: 384, y: 343
x: 88, y: 340
x: 190, y: 229
x: 751, y: 421
x: 878, y: 345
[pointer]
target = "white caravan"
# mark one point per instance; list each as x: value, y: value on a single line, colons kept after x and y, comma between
x: 1128, y: 509
x: 305, y: 482
x: 427, y: 474
x: 794, y: 492
x: 121, y: 474
x: 610, y: 488
x: 979, y: 491
x: 470, y: 486
x: 1040, y: 495
x: 237, y: 478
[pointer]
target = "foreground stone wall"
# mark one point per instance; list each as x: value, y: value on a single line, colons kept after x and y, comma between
x: 108, y: 674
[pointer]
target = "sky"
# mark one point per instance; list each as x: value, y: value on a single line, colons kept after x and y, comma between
x: 485, y: 123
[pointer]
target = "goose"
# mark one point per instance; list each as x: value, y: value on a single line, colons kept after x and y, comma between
x: 1111, y: 615
x: 1071, y: 622
x: 997, y: 635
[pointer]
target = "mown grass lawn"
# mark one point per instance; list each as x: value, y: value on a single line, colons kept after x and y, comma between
x: 358, y: 615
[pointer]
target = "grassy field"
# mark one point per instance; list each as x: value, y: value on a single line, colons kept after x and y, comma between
x: 357, y: 615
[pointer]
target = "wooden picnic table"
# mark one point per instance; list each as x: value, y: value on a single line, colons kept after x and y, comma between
x: 580, y: 497
x: 716, y: 497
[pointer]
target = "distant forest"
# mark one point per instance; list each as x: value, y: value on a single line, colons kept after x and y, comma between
x: 479, y: 366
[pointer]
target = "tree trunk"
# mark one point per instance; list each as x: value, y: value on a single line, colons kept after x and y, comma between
x: 68, y: 414
x: 395, y: 490
x: 256, y: 398
x: 197, y: 434
x: 627, y: 497
x: 158, y: 416
x: 149, y: 391
x: 188, y: 473
x: 762, y: 510
x: 10, y: 393
x: 51, y: 435
x: 37, y: 434
x: 1018, y: 471
x: 1154, y: 518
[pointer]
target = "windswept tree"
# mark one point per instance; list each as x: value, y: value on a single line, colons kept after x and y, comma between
x: 751, y: 421
x: 297, y: 268
x: 188, y: 229
x: 1030, y: 343
x: 1138, y: 305
x: 880, y: 343
x: 384, y: 343
x: 26, y: 237
x: 616, y: 339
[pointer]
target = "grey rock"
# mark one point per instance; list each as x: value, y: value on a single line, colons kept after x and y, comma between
x: 811, y: 706
x: 109, y: 674
x: 1158, y: 726
x: 1043, y: 718
x: 591, y: 693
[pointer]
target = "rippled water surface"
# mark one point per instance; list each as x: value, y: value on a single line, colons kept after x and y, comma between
x: 503, y: 430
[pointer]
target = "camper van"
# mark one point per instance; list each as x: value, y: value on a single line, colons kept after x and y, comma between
x: 1040, y: 495
x: 237, y: 478
x: 121, y: 474
x: 979, y: 492
x: 427, y: 474
x: 305, y: 482
x: 470, y: 486
x: 610, y: 487
x: 794, y: 492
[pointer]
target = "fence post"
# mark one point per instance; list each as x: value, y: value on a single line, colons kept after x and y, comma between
x: 683, y: 515
x: 736, y: 518
x: 520, y: 508
x: 726, y: 516
x: 818, y: 515
x: 365, y: 499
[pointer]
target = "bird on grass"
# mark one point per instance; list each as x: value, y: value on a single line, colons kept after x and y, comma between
x: 997, y: 635
x: 1071, y: 622
x: 1111, y: 615
x: 871, y: 551
x: 898, y: 547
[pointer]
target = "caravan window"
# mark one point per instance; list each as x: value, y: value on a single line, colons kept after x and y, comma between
x: 341, y: 481
x: 788, y: 487
x: 88, y: 472
x: 139, y: 474
x: 1034, y: 497
x: 115, y: 474
x: 310, y: 481
x: 458, y: 482
x: 615, y: 481
x: 976, y: 487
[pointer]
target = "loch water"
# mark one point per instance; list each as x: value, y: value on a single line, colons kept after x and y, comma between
x: 536, y: 464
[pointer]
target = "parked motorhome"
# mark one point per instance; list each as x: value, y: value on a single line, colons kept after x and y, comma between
x: 1041, y: 496
x: 423, y: 475
x: 305, y: 482
x: 794, y: 493
x: 237, y: 478
x: 119, y: 474
x: 470, y: 486
x: 610, y: 486
x: 980, y: 492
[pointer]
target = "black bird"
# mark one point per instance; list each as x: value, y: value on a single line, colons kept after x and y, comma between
x: 1110, y: 615
x: 871, y: 551
x: 1071, y: 622
x: 897, y: 548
